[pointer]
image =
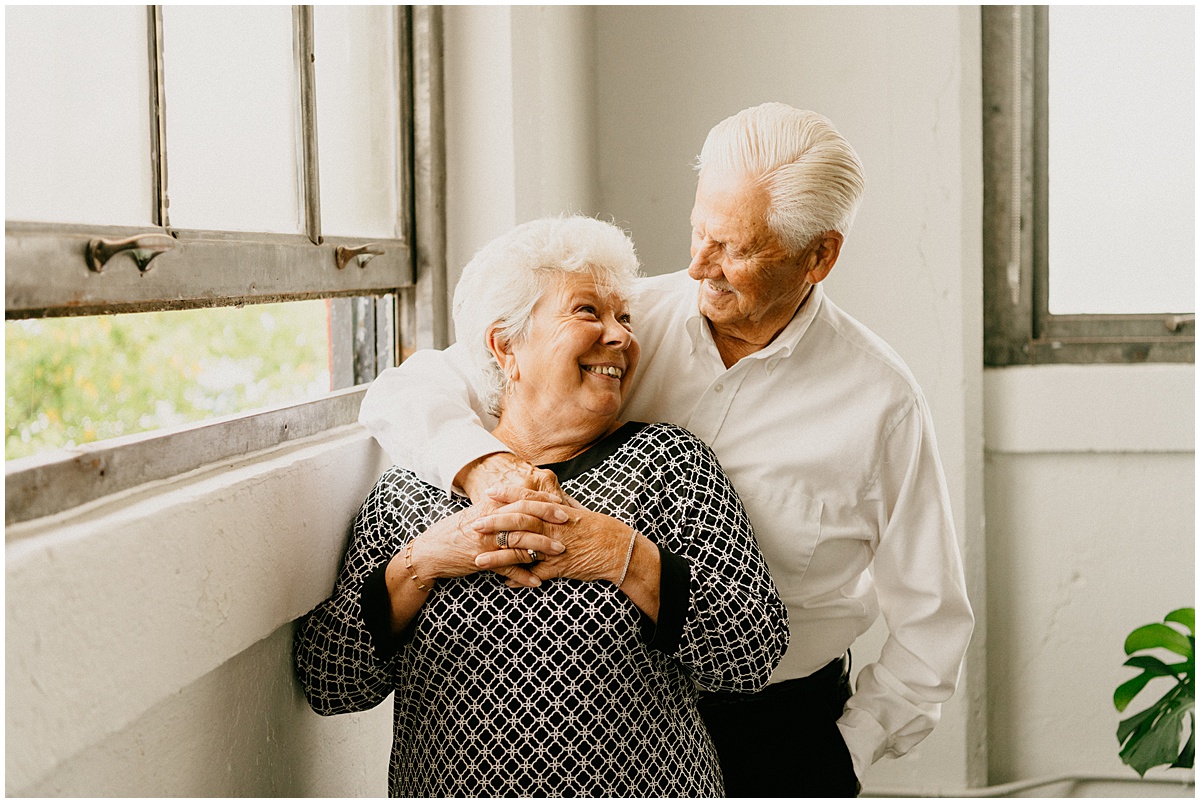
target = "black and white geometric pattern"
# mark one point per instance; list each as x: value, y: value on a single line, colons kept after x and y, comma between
x: 554, y: 691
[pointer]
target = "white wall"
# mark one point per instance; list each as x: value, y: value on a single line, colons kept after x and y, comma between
x: 520, y: 131
x: 148, y: 636
x: 1091, y: 533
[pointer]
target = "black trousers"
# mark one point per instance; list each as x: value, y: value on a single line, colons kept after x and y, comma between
x: 784, y: 741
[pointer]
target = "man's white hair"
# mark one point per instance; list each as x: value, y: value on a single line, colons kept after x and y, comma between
x: 504, y: 280
x: 813, y: 177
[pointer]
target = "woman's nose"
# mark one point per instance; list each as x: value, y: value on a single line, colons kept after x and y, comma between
x: 616, y: 335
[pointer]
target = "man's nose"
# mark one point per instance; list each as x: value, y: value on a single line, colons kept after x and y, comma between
x: 702, y: 266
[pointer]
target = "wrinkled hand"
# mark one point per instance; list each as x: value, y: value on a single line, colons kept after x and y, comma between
x: 452, y: 546
x: 596, y: 544
x: 505, y: 469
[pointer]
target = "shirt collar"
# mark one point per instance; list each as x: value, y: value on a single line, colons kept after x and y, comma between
x: 783, y: 344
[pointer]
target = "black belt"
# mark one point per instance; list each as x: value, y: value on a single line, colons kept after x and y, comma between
x: 825, y: 680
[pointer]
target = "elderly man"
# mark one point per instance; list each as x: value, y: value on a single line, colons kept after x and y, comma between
x: 823, y: 430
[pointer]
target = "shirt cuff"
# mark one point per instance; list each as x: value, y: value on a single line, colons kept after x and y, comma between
x: 865, y: 739
x: 458, y: 449
x: 674, y: 595
x: 375, y: 609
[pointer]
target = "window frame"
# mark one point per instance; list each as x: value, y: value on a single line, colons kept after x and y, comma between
x: 1019, y: 329
x: 58, y: 269
x: 384, y: 306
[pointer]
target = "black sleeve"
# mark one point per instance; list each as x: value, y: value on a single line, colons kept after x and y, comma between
x: 375, y: 605
x: 673, y: 598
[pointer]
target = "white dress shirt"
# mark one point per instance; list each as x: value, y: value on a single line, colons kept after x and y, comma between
x: 828, y: 441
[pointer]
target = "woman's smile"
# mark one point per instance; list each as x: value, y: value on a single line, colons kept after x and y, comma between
x: 605, y: 371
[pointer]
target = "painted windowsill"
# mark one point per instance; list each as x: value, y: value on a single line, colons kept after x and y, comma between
x: 1090, y: 408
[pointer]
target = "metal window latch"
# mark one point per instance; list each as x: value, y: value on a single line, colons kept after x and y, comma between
x: 142, y: 247
x: 1175, y: 322
x: 364, y: 254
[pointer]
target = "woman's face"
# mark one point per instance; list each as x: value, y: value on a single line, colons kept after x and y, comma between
x: 576, y: 362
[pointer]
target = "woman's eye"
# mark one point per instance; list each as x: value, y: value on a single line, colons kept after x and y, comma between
x: 586, y: 309
x: 626, y: 319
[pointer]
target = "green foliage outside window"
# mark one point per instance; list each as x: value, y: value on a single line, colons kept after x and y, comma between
x: 69, y: 381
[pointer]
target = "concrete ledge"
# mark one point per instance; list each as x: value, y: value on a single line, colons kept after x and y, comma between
x: 1090, y: 408
x: 118, y: 605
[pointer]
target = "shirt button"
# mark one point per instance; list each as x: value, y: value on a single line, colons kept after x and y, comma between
x: 719, y: 388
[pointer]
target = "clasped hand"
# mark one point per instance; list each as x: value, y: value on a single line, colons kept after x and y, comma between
x: 454, y: 546
x: 594, y: 544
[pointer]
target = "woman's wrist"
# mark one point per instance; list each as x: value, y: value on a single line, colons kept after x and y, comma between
x: 408, y: 587
x: 643, y: 576
x: 419, y: 564
x: 409, y: 570
x: 623, y: 567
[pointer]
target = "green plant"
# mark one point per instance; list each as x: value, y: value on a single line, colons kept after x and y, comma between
x: 1151, y: 738
x: 70, y: 381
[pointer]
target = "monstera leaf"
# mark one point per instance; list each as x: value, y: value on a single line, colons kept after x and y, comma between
x: 1151, y: 738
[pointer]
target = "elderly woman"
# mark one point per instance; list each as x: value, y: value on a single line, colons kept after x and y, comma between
x: 538, y: 645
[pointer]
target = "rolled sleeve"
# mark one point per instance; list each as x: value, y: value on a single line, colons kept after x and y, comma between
x: 922, y: 594
x: 428, y: 418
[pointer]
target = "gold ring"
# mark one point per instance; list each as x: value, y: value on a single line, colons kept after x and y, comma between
x: 534, y: 555
x: 502, y: 540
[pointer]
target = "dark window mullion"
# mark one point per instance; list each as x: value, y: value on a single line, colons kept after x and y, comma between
x: 1008, y: 189
x: 158, y: 117
x: 429, y: 178
x: 1040, y: 156
x: 302, y: 20
x: 403, y: 302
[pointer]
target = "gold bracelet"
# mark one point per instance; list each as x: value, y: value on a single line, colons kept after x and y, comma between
x: 408, y: 565
x: 628, y: 557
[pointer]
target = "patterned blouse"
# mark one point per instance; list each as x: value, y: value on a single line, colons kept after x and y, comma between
x: 567, y: 689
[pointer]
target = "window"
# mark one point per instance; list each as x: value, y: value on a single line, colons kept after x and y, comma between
x: 173, y: 166
x: 1089, y: 188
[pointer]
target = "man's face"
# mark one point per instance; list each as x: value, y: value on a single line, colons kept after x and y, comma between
x: 750, y: 286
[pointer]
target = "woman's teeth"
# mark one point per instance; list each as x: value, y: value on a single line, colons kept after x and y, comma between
x: 605, y: 370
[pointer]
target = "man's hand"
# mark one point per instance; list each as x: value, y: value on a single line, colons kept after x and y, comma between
x: 504, y: 469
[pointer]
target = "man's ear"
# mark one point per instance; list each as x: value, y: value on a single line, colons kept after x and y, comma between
x: 823, y: 255
x: 501, y: 350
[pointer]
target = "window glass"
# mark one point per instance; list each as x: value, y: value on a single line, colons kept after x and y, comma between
x: 1121, y: 159
x: 79, y: 154
x: 70, y: 381
x: 232, y: 115
x: 357, y: 110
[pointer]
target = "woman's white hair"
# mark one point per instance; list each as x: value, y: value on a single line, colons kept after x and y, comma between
x: 812, y: 175
x: 504, y: 280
